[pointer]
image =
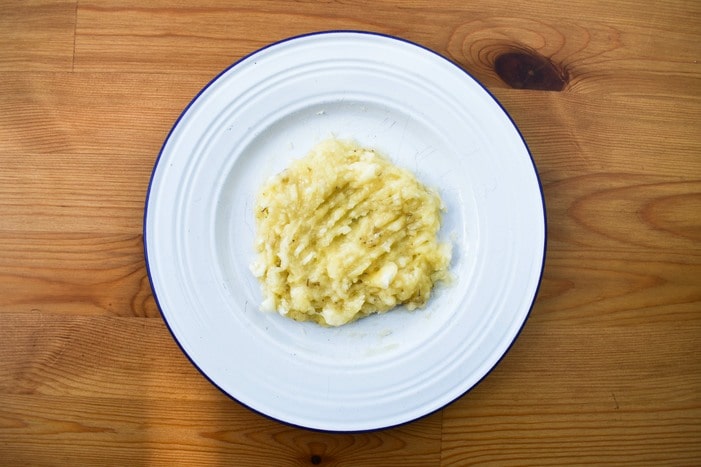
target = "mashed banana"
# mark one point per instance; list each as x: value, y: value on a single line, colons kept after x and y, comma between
x: 343, y: 233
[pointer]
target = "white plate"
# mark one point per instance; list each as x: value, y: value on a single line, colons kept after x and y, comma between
x: 424, y: 113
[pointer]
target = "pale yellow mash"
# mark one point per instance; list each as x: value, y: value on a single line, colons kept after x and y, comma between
x: 343, y: 233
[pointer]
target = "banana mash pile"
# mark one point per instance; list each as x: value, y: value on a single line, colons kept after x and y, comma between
x: 343, y: 233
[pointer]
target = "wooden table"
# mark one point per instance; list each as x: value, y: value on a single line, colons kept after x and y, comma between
x: 607, y: 369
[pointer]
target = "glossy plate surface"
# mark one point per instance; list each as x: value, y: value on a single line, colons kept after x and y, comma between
x: 425, y: 114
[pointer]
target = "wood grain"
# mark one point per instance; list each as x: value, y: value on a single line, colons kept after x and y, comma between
x: 126, y: 116
x: 81, y: 389
x: 37, y: 35
x: 79, y: 273
x: 60, y: 430
x: 606, y: 371
x: 641, y: 407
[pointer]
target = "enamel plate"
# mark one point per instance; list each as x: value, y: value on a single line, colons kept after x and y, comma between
x: 425, y: 114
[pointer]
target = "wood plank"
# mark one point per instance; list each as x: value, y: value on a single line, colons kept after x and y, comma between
x: 78, y: 149
x: 114, y: 390
x: 74, y: 273
x: 78, y: 430
x: 624, y: 211
x: 94, y: 274
x: 168, y: 37
x: 58, y: 354
x: 572, y: 135
x: 629, y: 288
x: 564, y: 395
x: 73, y: 194
x: 85, y: 114
x: 625, y: 50
x: 655, y: 186
x: 108, y: 113
x: 208, y: 39
x: 37, y: 35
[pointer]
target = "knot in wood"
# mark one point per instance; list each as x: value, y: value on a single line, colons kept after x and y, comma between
x: 529, y: 70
